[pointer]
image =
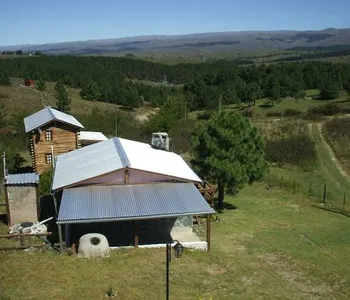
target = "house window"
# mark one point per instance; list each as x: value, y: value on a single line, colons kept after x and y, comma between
x: 48, y: 135
x: 48, y: 158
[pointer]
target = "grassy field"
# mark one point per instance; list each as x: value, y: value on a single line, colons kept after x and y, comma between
x: 273, y: 246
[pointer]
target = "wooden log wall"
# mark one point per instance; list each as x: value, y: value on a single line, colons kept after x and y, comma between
x: 64, y: 139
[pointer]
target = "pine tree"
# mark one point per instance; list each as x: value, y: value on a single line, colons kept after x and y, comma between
x: 61, y: 95
x: 40, y: 85
x: 228, y: 150
x: 91, y: 91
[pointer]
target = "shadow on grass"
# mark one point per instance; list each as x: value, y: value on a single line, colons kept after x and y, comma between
x: 342, y: 101
x: 225, y: 206
x: 334, y: 210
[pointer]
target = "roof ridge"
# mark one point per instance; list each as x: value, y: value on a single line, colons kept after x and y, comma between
x: 49, y: 108
x: 121, y: 152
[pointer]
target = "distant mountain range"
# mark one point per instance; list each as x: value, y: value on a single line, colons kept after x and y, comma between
x: 245, y: 41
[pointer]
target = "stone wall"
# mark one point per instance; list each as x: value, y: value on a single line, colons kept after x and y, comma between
x: 22, y: 203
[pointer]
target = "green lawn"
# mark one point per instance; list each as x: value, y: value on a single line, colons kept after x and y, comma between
x: 274, y: 246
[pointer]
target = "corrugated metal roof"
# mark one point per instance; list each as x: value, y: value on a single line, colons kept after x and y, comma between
x: 88, y: 162
x: 92, y: 136
x: 47, y: 115
x: 115, y: 154
x: 130, y: 202
x: 24, y: 178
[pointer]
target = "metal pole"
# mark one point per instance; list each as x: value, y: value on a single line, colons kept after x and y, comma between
x: 168, y: 258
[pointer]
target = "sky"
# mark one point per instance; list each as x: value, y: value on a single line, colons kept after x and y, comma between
x: 47, y: 21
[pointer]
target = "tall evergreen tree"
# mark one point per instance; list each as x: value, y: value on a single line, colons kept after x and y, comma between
x: 91, y: 91
x: 61, y: 95
x: 40, y: 85
x: 4, y: 78
x: 228, y: 150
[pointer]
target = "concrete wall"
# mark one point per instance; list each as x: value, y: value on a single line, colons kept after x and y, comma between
x: 22, y: 203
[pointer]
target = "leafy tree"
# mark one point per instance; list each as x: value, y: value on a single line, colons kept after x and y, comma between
x: 228, y: 150
x: 40, y: 85
x: 18, y: 162
x: 46, y: 182
x: 4, y: 78
x: 61, y: 95
x: 91, y: 91
x: 329, y: 90
x: 19, y: 52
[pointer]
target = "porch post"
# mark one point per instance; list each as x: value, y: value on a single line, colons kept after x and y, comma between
x: 208, y: 232
x: 60, y: 237
x: 136, y: 234
x: 67, y: 235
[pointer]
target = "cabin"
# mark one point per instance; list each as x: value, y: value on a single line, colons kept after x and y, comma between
x: 50, y: 133
x: 131, y: 192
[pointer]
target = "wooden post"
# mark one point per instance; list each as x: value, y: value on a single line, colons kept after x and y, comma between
x: 60, y: 237
x: 9, y: 223
x: 324, y: 193
x: 21, y: 238
x: 67, y: 235
x: 208, y: 232
x: 136, y: 234
x: 55, y: 204
x: 126, y: 176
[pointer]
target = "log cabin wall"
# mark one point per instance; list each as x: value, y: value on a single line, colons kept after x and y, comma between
x: 64, y: 139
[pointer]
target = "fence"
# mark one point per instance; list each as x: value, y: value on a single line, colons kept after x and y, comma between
x: 21, y: 240
x: 318, y: 192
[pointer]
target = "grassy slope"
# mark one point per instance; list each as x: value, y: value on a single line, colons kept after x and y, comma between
x: 274, y: 246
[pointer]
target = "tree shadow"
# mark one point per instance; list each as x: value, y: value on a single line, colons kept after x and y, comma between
x: 47, y: 210
x: 334, y: 210
x: 342, y: 101
x: 225, y: 206
x: 26, y: 169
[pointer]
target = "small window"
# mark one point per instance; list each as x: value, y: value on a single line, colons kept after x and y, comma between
x: 48, y: 135
x: 48, y: 158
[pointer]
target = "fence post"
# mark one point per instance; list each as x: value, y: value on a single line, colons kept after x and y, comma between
x: 294, y: 186
x: 310, y: 190
x: 344, y: 200
x: 281, y: 179
x: 21, y: 238
x: 324, y: 193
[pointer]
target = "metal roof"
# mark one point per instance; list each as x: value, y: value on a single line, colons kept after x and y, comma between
x: 92, y: 136
x: 130, y: 202
x: 47, y: 115
x: 24, y: 178
x: 88, y: 162
x: 115, y: 154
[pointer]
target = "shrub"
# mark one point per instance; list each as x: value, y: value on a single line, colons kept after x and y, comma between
x: 289, y: 112
x: 274, y: 113
x: 328, y: 109
x: 45, y: 182
x: 296, y: 150
x: 205, y: 115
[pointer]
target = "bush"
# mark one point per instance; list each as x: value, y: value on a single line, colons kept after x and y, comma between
x: 289, y: 112
x: 274, y: 113
x: 45, y: 182
x: 297, y: 150
x: 328, y: 109
x: 205, y: 115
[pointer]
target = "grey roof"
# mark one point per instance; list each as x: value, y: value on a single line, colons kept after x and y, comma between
x: 130, y: 202
x: 88, y: 162
x: 114, y: 154
x: 24, y: 178
x: 47, y: 115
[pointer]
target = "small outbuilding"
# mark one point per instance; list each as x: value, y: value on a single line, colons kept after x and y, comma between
x: 22, y: 197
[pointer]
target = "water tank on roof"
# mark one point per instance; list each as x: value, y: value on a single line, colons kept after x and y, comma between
x: 160, y: 140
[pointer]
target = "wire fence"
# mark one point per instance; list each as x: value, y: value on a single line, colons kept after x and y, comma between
x: 324, y: 193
